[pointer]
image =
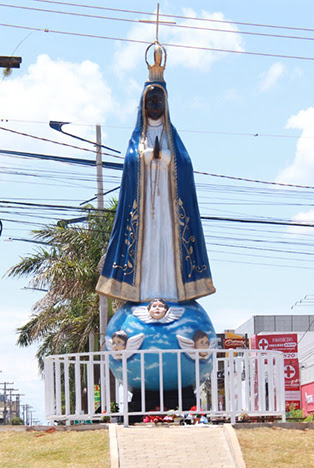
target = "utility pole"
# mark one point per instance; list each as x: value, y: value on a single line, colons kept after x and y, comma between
x: 10, y: 402
x: 103, y: 301
x: 26, y: 410
x: 18, y: 403
x: 5, y: 389
x: 31, y: 413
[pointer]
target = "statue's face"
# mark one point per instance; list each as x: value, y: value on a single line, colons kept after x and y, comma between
x: 157, y: 310
x: 118, y: 344
x: 202, y: 343
x: 155, y: 103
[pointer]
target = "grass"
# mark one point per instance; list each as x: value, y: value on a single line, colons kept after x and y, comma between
x: 277, y: 448
x: 54, y: 450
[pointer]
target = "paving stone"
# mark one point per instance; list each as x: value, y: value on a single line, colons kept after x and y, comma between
x: 197, y: 446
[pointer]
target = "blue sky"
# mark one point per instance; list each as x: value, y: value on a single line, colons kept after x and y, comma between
x: 243, y: 114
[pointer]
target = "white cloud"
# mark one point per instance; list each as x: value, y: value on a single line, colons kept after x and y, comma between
x: 129, y: 56
x: 305, y: 217
x: 300, y: 171
x: 55, y: 90
x: 59, y: 90
x: 272, y: 76
x: 202, y: 59
x: 302, y: 168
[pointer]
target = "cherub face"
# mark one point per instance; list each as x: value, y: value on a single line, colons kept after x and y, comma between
x: 202, y: 343
x: 157, y: 310
x: 118, y: 344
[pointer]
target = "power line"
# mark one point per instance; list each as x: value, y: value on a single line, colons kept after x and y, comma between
x: 201, y: 132
x: 177, y: 16
x: 120, y: 166
x: 54, y: 141
x: 262, y: 248
x: 180, y: 26
x: 256, y: 181
x: 263, y: 264
x: 244, y: 254
x: 208, y: 218
x: 137, y: 41
x: 260, y: 240
x: 82, y: 162
x: 256, y: 221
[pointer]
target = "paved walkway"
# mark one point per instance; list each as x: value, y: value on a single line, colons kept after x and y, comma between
x: 174, y: 447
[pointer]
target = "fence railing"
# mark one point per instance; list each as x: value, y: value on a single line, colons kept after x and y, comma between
x: 78, y: 386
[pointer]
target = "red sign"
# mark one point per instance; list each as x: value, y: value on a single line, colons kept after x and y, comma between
x: 308, y: 398
x: 292, y: 383
x: 288, y: 344
x: 233, y: 341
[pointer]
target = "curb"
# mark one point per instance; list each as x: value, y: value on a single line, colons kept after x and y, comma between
x: 283, y: 425
x: 113, y: 446
x: 234, y: 446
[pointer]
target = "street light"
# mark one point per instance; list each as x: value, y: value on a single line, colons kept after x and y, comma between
x: 9, y: 62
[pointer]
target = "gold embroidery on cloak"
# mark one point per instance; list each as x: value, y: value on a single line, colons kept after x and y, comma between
x: 131, y: 239
x: 187, y: 241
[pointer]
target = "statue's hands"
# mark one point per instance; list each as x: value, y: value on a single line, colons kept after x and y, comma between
x: 156, y: 149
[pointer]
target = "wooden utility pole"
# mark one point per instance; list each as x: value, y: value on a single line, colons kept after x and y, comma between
x: 5, y: 390
x: 103, y: 301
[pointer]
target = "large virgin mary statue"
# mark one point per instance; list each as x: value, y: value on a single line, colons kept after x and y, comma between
x: 157, y: 246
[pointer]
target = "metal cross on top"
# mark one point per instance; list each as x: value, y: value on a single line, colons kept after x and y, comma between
x: 158, y: 22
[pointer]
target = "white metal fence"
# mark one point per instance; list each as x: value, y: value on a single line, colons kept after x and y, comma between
x: 241, y: 381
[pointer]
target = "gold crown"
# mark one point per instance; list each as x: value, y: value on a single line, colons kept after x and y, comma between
x: 156, y: 70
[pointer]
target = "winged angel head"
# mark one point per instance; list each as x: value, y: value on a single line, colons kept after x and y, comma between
x: 157, y: 311
x: 200, y: 341
x: 120, y: 342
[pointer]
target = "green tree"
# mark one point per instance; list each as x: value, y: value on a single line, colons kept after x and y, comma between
x: 68, y: 266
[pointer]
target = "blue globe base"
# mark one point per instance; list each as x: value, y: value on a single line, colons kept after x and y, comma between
x: 162, y: 336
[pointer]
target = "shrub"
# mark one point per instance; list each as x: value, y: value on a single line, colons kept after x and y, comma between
x: 17, y: 421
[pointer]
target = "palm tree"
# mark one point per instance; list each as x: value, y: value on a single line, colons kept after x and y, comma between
x: 68, y: 266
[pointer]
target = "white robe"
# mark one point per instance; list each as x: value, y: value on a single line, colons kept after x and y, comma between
x: 158, y: 278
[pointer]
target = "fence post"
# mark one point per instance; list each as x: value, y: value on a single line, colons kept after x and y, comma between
x: 143, y: 404
x: 125, y: 390
x: 231, y: 388
x: 78, y: 390
x: 214, y: 383
x: 49, y: 388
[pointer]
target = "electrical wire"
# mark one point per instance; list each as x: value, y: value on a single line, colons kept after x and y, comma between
x: 222, y: 176
x: 211, y: 218
x: 262, y: 264
x: 266, y: 249
x: 176, y: 16
x: 254, y: 180
x: 260, y: 240
x: 272, y: 257
x: 56, y: 142
x: 179, y: 26
x: 204, y: 132
x: 138, y: 41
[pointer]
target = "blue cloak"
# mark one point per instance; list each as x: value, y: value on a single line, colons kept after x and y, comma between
x: 121, y: 273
